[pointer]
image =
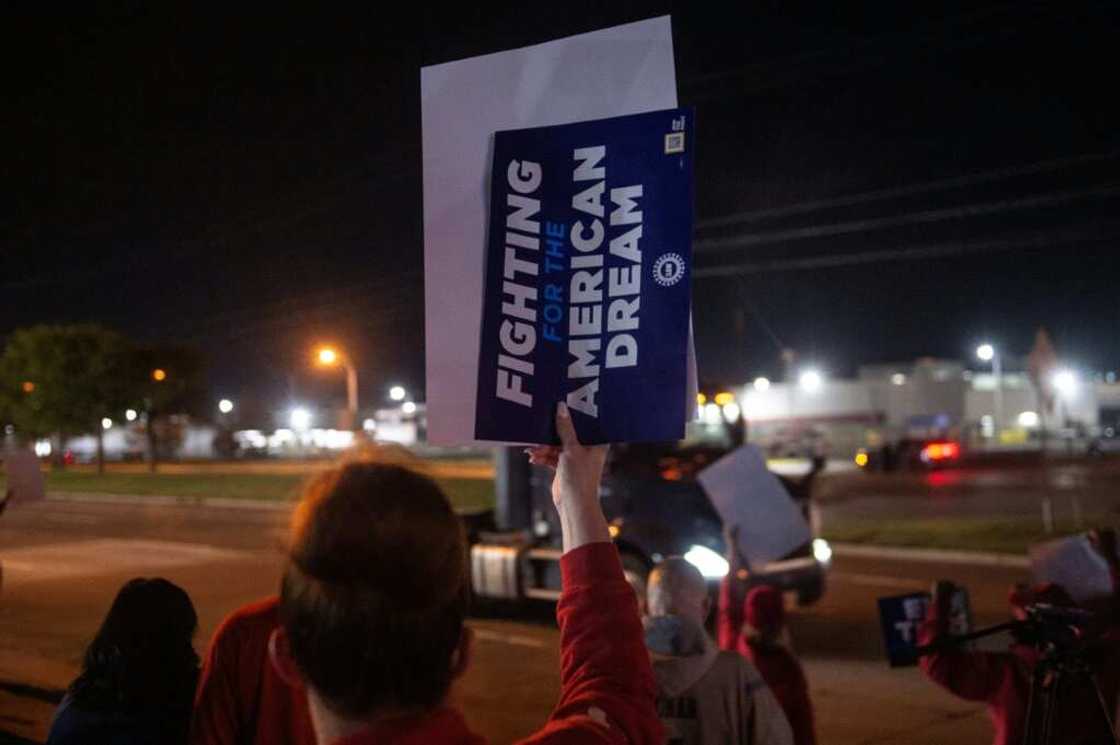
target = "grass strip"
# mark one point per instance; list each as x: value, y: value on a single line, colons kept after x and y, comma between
x: 996, y: 534
x: 467, y: 494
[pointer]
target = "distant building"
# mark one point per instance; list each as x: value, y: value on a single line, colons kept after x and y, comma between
x: 925, y: 398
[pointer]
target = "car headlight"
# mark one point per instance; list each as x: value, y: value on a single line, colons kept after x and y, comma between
x: 822, y: 552
x: 710, y: 564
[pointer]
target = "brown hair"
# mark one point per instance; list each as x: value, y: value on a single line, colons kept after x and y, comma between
x: 375, y: 591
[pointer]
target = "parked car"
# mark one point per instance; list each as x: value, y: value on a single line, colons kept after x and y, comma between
x: 912, y: 454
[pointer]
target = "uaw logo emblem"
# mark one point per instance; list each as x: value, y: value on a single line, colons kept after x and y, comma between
x: 668, y: 269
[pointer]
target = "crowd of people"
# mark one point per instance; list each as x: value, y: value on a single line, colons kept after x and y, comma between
x: 367, y: 636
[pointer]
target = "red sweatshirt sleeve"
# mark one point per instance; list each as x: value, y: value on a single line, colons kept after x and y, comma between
x: 218, y: 718
x: 606, y: 682
x: 729, y: 619
x: 973, y: 676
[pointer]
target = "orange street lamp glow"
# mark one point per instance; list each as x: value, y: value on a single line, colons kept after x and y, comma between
x: 28, y: 386
x: 159, y: 375
x: 331, y: 357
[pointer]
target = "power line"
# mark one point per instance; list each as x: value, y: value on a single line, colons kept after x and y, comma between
x: 909, y: 253
x: 982, y: 177
x: 912, y: 218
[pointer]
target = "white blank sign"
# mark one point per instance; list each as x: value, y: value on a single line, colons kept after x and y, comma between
x: 612, y: 72
x: 1074, y: 564
x: 745, y: 493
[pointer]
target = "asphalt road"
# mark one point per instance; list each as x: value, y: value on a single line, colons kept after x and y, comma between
x: 1000, y: 490
x: 64, y: 561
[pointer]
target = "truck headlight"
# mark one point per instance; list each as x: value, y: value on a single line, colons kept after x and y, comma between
x: 822, y: 552
x: 710, y: 564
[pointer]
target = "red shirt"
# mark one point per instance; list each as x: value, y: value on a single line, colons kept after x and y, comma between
x: 241, y: 700
x: 779, y: 668
x: 1002, y: 680
x: 606, y: 682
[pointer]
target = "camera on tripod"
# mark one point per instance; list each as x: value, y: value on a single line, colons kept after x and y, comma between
x: 1053, y: 628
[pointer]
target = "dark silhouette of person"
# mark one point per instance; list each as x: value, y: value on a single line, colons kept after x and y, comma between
x: 139, y: 672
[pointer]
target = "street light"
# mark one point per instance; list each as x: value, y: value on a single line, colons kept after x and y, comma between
x: 397, y: 393
x: 130, y: 415
x: 328, y: 356
x: 761, y: 384
x: 1065, y: 383
x: 225, y: 406
x: 988, y: 353
x: 300, y: 419
x: 811, y: 381
x: 106, y: 423
x: 408, y: 407
x: 159, y: 375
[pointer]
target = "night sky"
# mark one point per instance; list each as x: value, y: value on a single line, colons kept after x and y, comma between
x: 873, y: 184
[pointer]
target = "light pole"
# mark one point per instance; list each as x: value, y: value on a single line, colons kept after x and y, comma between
x: 1065, y: 385
x: 332, y: 357
x: 988, y: 353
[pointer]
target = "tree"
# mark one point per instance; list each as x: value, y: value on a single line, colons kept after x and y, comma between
x: 64, y: 380
x: 168, y: 380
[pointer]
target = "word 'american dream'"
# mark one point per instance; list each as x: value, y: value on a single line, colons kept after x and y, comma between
x: 593, y: 291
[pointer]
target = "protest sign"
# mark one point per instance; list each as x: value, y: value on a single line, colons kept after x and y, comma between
x: 24, y: 478
x: 746, y: 494
x: 587, y: 293
x: 612, y: 72
x: 900, y: 618
x: 1074, y: 564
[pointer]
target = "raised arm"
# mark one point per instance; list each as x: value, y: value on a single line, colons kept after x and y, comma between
x: 732, y: 593
x: 606, y: 682
x: 971, y: 675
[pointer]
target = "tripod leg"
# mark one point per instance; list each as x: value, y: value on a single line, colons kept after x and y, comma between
x: 1104, y: 709
x: 1032, y: 701
x: 1049, y: 715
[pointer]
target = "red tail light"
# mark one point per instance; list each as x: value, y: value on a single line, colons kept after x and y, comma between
x: 939, y: 451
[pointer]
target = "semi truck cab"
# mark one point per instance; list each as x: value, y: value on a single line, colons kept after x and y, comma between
x: 655, y: 508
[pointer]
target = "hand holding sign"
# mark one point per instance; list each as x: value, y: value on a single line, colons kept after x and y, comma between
x: 575, y: 487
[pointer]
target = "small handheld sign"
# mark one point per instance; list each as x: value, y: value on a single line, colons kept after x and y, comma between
x: 587, y: 293
x: 24, y: 479
x: 900, y: 617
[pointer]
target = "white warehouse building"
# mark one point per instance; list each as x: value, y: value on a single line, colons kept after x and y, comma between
x: 926, y: 398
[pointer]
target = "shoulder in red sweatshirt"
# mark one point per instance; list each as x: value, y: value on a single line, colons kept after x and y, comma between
x: 606, y: 682
x: 241, y: 700
x: 779, y: 668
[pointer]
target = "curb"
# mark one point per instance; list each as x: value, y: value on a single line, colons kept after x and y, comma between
x: 932, y: 555
x: 166, y: 500
x: 46, y: 695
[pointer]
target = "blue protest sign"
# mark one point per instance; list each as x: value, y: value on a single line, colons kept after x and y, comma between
x: 587, y: 291
x: 900, y: 617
